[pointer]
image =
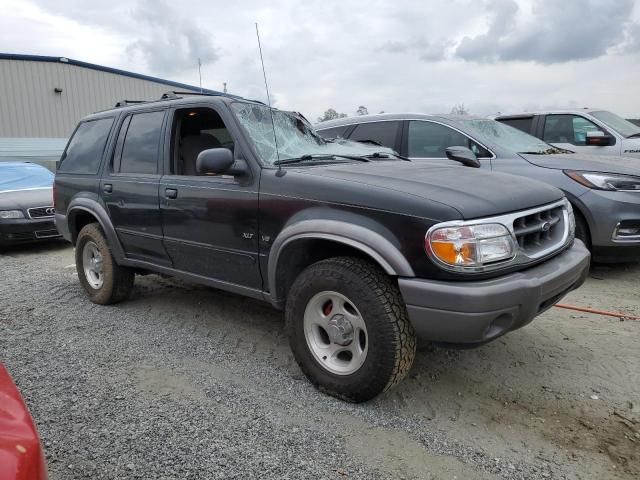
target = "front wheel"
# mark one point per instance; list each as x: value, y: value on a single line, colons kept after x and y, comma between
x: 348, y: 328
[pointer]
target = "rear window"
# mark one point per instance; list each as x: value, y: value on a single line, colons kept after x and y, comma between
x: 140, y: 148
x: 523, y: 124
x: 382, y: 133
x: 84, y: 152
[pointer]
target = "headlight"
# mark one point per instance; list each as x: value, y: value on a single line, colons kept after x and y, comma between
x: 606, y: 181
x: 7, y: 214
x: 470, y: 245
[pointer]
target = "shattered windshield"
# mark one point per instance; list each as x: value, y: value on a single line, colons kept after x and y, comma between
x: 295, y: 136
x: 508, y: 137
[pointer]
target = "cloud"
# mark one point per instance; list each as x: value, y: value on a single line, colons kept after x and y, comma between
x: 171, y: 42
x: 553, y: 32
x: 426, y: 50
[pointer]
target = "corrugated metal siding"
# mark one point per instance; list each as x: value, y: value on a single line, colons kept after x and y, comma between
x: 29, y: 107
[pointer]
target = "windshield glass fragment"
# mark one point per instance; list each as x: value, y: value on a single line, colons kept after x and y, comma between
x: 295, y: 137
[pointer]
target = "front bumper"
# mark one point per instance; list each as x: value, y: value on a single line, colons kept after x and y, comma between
x: 25, y: 230
x: 606, y: 210
x: 479, y: 311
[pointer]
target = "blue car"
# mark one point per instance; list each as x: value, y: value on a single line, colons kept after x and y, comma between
x: 26, y: 203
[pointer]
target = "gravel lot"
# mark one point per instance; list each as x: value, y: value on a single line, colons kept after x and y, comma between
x: 184, y: 381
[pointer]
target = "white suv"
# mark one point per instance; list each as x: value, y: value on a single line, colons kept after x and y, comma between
x: 587, y: 130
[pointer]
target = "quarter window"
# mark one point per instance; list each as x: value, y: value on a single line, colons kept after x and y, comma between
x: 141, y: 143
x: 84, y: 152
x: 334, y: 132
x: 523, y: 124
x: 382, y: 133
x: 567, y: 129
x: 431, y: 140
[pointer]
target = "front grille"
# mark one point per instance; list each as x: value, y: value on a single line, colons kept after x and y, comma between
x: 41, y: 212
x: 541, y: 232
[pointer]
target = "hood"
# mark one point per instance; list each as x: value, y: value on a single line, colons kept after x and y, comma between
x: 472, y: 192
x: 584, y: 162
x: 23, y: 199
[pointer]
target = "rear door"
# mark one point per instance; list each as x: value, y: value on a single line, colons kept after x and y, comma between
x: 570, y: 131
x: 129, y: 186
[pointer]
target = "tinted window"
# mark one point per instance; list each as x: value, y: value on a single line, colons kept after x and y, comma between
x: 430, y: 140
x: 333, y: 132
x: 523, y: 124
x: 84, y: 152
x: 567, y: 129
x: 383, y: 133
x: 141, y: 143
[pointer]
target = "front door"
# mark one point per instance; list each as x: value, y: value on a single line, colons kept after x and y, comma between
x: 428, y: 141
x: 129, y: 186
x: 210, y: 222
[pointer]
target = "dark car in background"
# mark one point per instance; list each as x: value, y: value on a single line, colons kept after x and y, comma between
x: 26, y: 203
x: 604, y: 191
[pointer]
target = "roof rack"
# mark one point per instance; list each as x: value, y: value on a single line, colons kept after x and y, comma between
x: 124, y: 103
x: 172, y: 95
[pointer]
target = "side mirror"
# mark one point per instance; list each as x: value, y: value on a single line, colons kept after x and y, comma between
x: 463, y: 155
x: 598, y: 138
x: 219, y: 160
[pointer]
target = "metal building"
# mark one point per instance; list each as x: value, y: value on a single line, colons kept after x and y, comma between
x: 44, y: 97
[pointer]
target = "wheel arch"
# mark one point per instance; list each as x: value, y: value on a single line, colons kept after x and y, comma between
x: 83, y: 211
x: 309, y: 241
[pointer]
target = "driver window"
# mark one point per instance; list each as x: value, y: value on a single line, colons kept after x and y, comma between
x: 195, y: 130
x: 430, y: 140
x: 567, y: 129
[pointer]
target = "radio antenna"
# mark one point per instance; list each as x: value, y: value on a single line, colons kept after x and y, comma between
x: 266, y: 86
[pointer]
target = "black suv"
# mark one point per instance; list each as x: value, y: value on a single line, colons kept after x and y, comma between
x: 363, y: 250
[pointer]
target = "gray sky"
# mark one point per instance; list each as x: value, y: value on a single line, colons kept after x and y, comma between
x: 423, y: 55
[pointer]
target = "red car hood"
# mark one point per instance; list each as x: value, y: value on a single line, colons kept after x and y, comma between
x: 21, y: 456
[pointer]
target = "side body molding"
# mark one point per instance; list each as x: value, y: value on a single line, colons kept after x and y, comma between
x: 372, y: 243
x: 89, y: 205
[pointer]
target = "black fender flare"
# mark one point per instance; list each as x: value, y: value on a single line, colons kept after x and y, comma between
x: 368, y: 241
x: 89, y: 205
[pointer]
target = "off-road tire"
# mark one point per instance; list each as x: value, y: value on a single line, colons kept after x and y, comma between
x: 391, y: 338
x: 118, y: 281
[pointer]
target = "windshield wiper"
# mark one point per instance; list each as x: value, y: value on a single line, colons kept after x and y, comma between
x: 634, y: 135
x: 303, y: 158
x: 387, y: 154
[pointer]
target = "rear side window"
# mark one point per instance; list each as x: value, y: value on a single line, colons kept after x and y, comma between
x: 141, y: 143
x: 334, y: 132
x: 84, y: 152
x: 383, y: 133
x: 523, y: 124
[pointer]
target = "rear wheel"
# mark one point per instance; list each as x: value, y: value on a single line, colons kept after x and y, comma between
x: 102, y: 278
x: 348, y: 328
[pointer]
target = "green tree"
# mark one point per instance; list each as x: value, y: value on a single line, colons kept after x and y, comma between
x: 331, y: 114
